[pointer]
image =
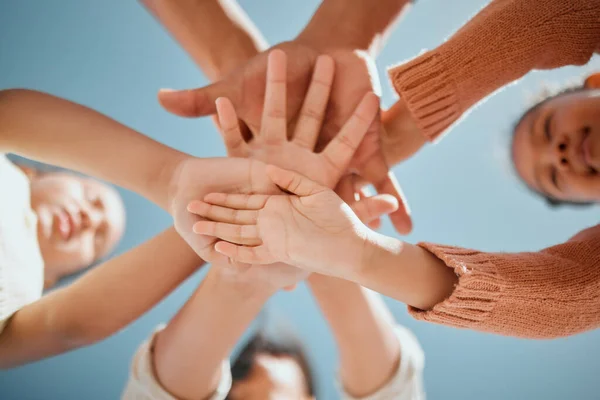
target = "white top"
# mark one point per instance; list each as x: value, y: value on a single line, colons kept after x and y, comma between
x: 406, y: 384
x: 21, y: 263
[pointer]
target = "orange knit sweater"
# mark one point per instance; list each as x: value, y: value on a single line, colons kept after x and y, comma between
x: 551, y: 293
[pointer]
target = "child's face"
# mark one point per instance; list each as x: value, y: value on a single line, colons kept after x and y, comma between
x: 556, y: 147
x: 272, y: 377
x: 80, y: 220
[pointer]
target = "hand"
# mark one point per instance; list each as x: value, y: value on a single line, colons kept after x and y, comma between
x: 401, y: 137
x: 246, y: 89
x: 273, y: 145
x: 193, y: 178
x: 313, y: 229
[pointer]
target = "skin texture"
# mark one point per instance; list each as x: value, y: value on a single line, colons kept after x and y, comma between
x: 556, y: 147
x: 80, y: 220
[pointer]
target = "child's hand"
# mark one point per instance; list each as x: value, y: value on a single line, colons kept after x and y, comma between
x: 312, y: 229
x: 194, y: 178
x: 295, y: 151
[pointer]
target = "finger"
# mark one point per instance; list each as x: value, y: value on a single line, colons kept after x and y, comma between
x: 273, y: 125
x: 293, y: 182
x: 237, y: 201
x: 373, y: 208
x: 248, y: 255
x: 341, y: 149
x: 240, y: 234
x: 315, y: 103
x: 345, y: 189
x: 196, y: 102
x: 223, y: 214
x: 364, y: 192
x: 230, y: 128
x: 384, y: 181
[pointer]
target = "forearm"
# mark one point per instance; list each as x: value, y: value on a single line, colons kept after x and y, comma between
x: 403, y: 271
x: 203, y: 333
x: 502, y: 43
x: 103, y: 301
x: 56, y: 131
x: 358, y: 25
x: 363, y: 329
x: 217, y: 34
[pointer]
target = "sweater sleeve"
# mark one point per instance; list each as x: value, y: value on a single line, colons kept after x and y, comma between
x: 502, y: 43
x: 547, y: 294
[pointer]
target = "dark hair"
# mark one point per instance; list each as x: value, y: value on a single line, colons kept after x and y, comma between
x: 258, y: 345
x: 550, y: 201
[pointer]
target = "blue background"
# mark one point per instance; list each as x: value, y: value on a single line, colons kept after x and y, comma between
x: 113, y: 56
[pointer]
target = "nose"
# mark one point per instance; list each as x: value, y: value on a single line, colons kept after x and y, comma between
x: 559, y: 153
x: 91, y: 218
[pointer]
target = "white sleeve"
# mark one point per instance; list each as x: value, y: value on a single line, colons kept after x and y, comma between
x: 143, y: 384
x: 407, y: 382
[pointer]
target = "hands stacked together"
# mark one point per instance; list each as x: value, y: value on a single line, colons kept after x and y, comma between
x: 274, y: 202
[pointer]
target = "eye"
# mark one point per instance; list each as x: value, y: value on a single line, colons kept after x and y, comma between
x: 586, y: 130
x: 95, y: 200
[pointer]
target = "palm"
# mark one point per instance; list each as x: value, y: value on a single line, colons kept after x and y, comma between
x: 289, y: 155
x: 191, y: 181
x: 287, y: 221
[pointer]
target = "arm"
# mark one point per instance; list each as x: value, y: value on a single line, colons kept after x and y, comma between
x: 364, y: 333
x: 361, y: 25
x: 56, y: 131
x: 501, y: 44
x: 203, y: 26
x: 204, y: 332
x: 100, y: 303
x: 545, y: 294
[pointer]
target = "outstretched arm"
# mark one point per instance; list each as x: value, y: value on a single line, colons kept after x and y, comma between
x: 217, y: 34
x: 56, y: 131
x: 99, y: 304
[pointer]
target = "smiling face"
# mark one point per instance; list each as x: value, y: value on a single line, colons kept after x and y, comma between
x: 556, y: 147
x: 80, y: 220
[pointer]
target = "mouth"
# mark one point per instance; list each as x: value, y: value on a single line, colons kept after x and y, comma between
x: 64, y: 224
x: 585, y: 152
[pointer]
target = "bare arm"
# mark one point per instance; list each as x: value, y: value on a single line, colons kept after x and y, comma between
x: 100, y: 303
x: 56, y: 131
x: 364, y: 333
x: 360, y: 25
x: 204, y: 332
x: 217, y: 34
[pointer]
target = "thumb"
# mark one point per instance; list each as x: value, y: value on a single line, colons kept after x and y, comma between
x: 293, y: 182
x: 372, y: 208
x: 195, y: 102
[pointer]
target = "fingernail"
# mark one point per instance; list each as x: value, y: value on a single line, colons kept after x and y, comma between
x: 164, y: 90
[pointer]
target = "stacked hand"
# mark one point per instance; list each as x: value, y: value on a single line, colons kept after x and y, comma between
x: 272, y: 145
x: 313, y: 228
x: 245, y: 88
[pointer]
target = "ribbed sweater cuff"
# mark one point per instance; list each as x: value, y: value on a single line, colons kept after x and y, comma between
x: 478, y: 290
x: 430, y: 95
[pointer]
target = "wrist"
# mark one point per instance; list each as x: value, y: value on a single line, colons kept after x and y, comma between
x: 378, y: 250
x: 168, y: 178
x: 234, y: 284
